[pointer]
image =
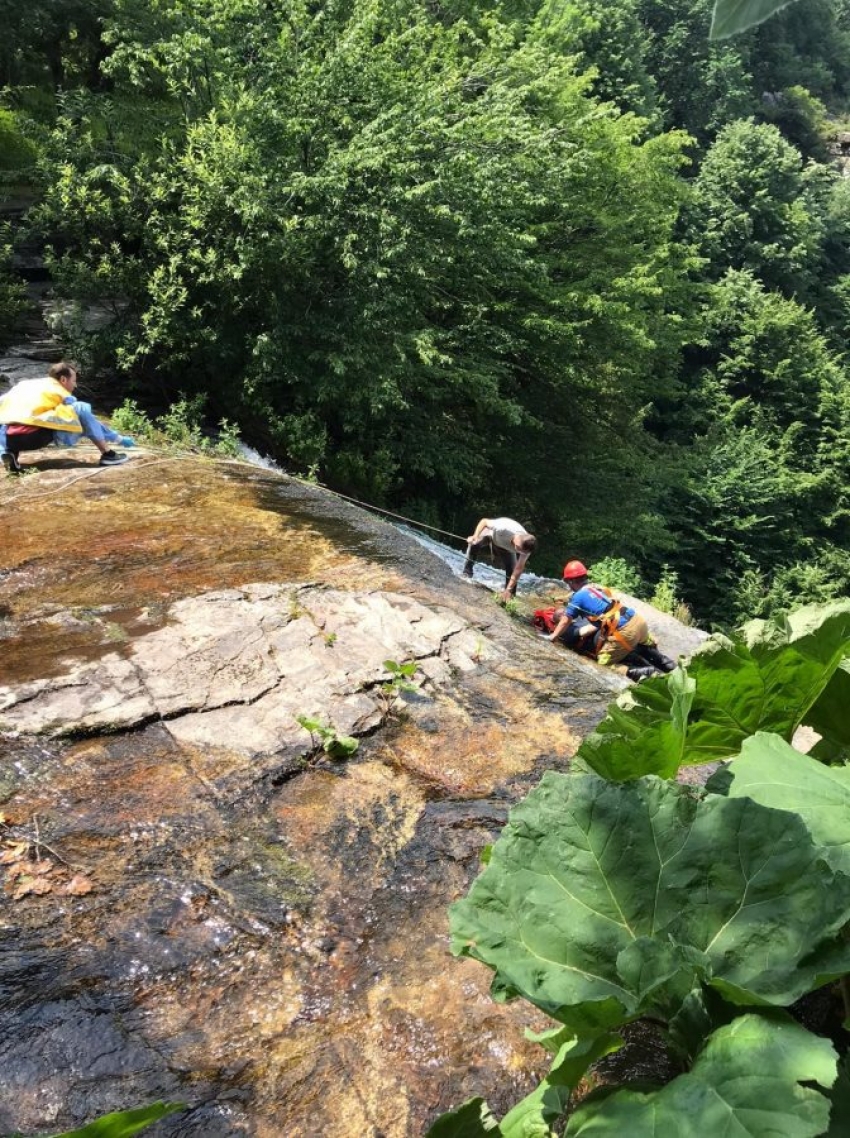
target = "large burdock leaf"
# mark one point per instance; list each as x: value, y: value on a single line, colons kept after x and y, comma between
x: 829, y: 716
x: 536, y: 1114
x: 471, y: 1120
x: 645, y: 730
x: 747, y: 1081
x: 772, y: 773
x: 766, y: 679
x: 604, y: 901
x: 734, y: 16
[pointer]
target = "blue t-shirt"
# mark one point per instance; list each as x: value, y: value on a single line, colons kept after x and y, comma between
x: 591, y: 603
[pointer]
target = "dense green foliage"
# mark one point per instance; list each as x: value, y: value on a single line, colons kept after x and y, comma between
x: 13, y: 299
x: 704, y: 911
x: 582, y: 265
x: 768, y: 677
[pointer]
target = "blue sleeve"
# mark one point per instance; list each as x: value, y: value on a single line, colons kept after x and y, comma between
x: 573, y: 607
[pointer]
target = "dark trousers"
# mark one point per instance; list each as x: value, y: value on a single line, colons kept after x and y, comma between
x: 498, y: 556
x: 649, y: 654
x: 42, y: 437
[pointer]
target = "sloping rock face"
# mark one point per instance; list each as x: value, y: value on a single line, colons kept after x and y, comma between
x: 248, y: 663
x: 201, y: 904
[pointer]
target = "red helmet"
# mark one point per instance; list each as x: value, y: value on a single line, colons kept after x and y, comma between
x: 574, y: 569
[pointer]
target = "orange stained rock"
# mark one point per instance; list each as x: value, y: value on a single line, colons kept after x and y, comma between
x: 150, y: 532
x: 474, y: 752
x: 368, y: 815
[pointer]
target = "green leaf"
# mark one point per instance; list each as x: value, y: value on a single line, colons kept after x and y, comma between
x: 535, y: 1115
x: 772, y: 773
x: 734, y: 16
x: 703, y: 1010
x: 748, y: 1081
x: 472, y: 1120
x: 341, y: 746
x: 124, y: 1122
x: 828, y: 716
x: 644, y: 731
x: 766, y: 679
x: 604, y: 901
x: 314, y: 726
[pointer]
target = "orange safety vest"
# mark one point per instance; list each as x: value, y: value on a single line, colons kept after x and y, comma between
x: 608, y: 622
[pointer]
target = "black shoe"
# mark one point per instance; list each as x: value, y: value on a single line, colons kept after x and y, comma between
x: 113, y: 458
x: 658, y: 660
x: 467, y: 571
x: 638, y: 674
x: 10, y: 461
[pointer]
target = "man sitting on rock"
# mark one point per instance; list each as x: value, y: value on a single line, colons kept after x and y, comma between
x: 38, y: 412
x: 619, y: 634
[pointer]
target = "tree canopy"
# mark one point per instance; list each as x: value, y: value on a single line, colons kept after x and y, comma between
x: 582, y: 265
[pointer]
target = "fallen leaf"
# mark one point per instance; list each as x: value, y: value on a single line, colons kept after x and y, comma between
x: 39, y: 868
x: 16, y: 869
x: 31, y: 885
x: 78, y: 886
x: 13, y: 852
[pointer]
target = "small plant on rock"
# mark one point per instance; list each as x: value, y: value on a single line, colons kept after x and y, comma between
x: 666, y: 597
x: 399, y: 682
x: 332, y: 743
x: 123, y: 1123
x: 180, y: 426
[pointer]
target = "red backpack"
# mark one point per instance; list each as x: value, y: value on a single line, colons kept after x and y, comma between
x: 581, y: 639
x: 544, y: 620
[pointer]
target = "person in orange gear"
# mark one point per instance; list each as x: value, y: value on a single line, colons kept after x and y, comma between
x: 622, y: 634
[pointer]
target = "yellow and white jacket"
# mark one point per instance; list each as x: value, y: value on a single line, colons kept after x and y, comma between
x: 39, y: 403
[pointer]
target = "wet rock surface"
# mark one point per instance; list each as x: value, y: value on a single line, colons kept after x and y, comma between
x: 214, y: 910
x: 244, y: 664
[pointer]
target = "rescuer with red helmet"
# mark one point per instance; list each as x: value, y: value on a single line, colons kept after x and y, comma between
x: 621, y: 631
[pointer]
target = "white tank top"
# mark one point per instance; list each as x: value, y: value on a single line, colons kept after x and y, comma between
x: 502, y: 530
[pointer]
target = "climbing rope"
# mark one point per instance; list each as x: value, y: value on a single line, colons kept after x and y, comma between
x: 356, y: 502
x: 54, y: 490
x: 240, y: 462
x: 381, y: 510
